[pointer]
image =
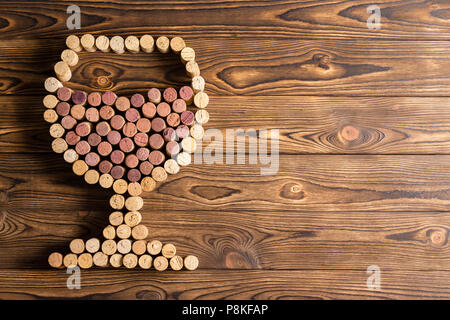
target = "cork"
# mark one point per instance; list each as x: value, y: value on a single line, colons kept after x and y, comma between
x: 106, y: 180
x: 117, y: 201
x: 202, y: 116
x: 123, y: 103
x: 92, y: 245
x: 117, y: 172
x: 169, y: 134
x: 88, y: 42
x: 80, y: 167
x: 64, y: 94
x: 187, y: 54
x: 192, y: 69
x: 189, y: 144
x: 92, y: 115
x: 94, y: 140
x: 168, y: 250
x: 183, y: 159
x: 145, y: 168
x: 105, y: 166
x: 123, y: 231
x: 50, y: 116
x: 163, y: 108
x: 126, y: 145
x: 102, y: 43
x: 141, y: 139
x: 103, y: 128
x: 59, y: 145
x: 179, y: 105
x: 94, y: 99
x: 100, y: 259
x: 177, y: 44
x: 82, y: 147
x: 159, y: 174
x: 148, y: 184
x: 156, y: 141
x: 154, y: 95
x: 117, y: 157
x: 76, y: 246
x: 106, y: 112
x: 70, y: 260
x: 182, y: 131
x: 77, y: 112
x: 160, y: 263
x: 130, y: 261
x: 154, y: 247
x: 117, y: 44
x: 156, y: 157
x: 62, y: 71
x: 52, y: 84
x: 139, y: 232
x: 68, y: 122
x: 72, y: 138
x: 83, y: 129
x: 198, y: 84
x: 143, y: 125
x: 173, y: 119
x: 56, y: 130
x: 176, y: 263
x: 129, y: 129
x: 50, y: 101
x: 158, y: 124
x: 70, y: 57
x: 134, y: 175
x: 162, y: 44
x: 109, y: 98
x: 85, y: 261
x: 197, y: 131
x: 116, y: 218
x: 55, y: 260
x: 109, y: 232
x: 131, y: 161
x: 171, y: 166
x: 73, y: 43
x: 70, y: 156
x: 132, y: 115
x: 109, y: 247
x: 147, y: 43
x: 187, y: 95
x: 116, y: 260
x: 134, y: 203
x: 117, y: 122
x: 201, y: 100
x: 139, y: 247
x: 124, y: 246
x: 62, y: 109
x: 91, y: 176
x: 172, y: 148
x: 170, y: 95
x: 145, y: 261
x: 132, y: 44
x: 187, y: 117
x: 191, y: 262
x: 137, y: 100
x: 120, y: 186
x: 92, y: 159
x: 134, y: 189
x: 114, y: 137
x: 79, y: 97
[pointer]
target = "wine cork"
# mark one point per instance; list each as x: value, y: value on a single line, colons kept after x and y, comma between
x: 114, y: 137
x: 68, y: 122
x: 117, y: 122
x: 137, y: 100
x: 50, y: 101
x: 168, y: 250
x: 130, y: 261
x: 109, y: 232
x: 201, y: 100
x: 132, y: 44
x: 192, y: 69
x: 52, y: 84
x: 123, y: 231
x: 145, y: 168
x: 72, y: 138
x: 187, y: 54
x: 202, y: 116
x: 163, y: 108
x: 117, y: 201
x: 55, y: 260
x: 134, y: 175
x: 103, y: 128
x: 197, y: 131
x: 169, y: 134
x: 198, y: 84
x: 109, y: 247
x: 92, y: 245
x: 154, y: 247
x: 171, y: 166
x: 170, y: 95
x: 134, y: 203
x: 187, y: 118
x: 83, y: 129
x: 158, y: 124
x: 132, y: 115
x: 184, y: 159
x: 59, y: 145
x: 182, y: 131
x: 80, y: 167
x: 106, y: 112
x: 126, y: 145
x: 117, y: 172
x: 62, y: 109
x: 102, y: 43
x: 154, y: 95
x: 62, y: 71
x: 79, y: 97
x: 116, y: 260
x: 139, y: 247
x: 116, y: 218
x: 129, y: 129
x: 148, y: 184
x: 191, y: 262
x: 64, y: 94
x: 94, y: 99
x: 159, y: 174
x: 77, y: 112
x: 160, y: 263
x: 189, y: 144
x: 131, y: 161
x: 123, y: 103
x: 88, y: 42
x: 70, y: 260
x: 92, y: 115
x: 73, y: 43
x: 105, y: 166
x: 145, y: 261
x: 70, y: 57
x: 176, y: 263
x: 82, y: 147
x: 177, y: 44
x: 162, y: 44
x: 109, y: 98
x: 172, y: 148
x: 124, y: 246
x: 143, y: 125
x: 120, y: 186
x: 50, y: 116
x: 117, y: 157
x: 139, y: 232
x: 56, y: 130
x: 76, y: 246
x: 156, y: 141
x: 91, y: 176
x: 92, y: 159
x: 85, y: 261
x: 187, y: 95
x: 100, y: 259
x: 147, y: 43
x: 70, y: 156
x: 179, y: 106
x: 134, y: 189
x: 173, y: 119
x: 117, y: 44
x: 106, y: 180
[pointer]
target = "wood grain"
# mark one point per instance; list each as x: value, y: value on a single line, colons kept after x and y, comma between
x: 404, y: 19
x: 246, y: 67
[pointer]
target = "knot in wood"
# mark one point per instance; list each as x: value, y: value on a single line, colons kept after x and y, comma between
x: 349, y: 133
x: 438, y: 237
x: 103, y: 81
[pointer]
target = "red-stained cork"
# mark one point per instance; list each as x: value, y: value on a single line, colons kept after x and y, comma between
x: 156, y: 141
x: 104, y: 148
x: 123, y: 104
x: 143, y: 125
x: 137, y: 100
x: 158, y: 124
x: 82, y: 147
x: 142, y: 153
x: 117, y: 157
x: 170, y: 94
x: 83, y: 129
x: 62, y: 109
x: 126, y: 145
x: 182, y: 131
x: 169, y: 134
x: 94, y: 99
x: 92, y: 115
x: 114, y: 137
x: 68, y: 122
x: 145, y: 168
x: 156, y: 157
x: 109, y: 98
x: 187, y: 117
x: 106, y: 112
x: 79, y: 97
x: 172, y: 148
x: 129, y: 129
x: 105, y: 166
x: 134, y: 175
x: 149, y: 110
x: 77, y: 111
x: 173, y: 119
x: 117, y: 172
x: 132, y: 115
x: 103, y: 128
x: 141, y: 139
x: 117, y: 122
x: 187, y: 94
x: 64, y: 94
x: 154, y: 95
x: 131, y: 161
x: 72, y: 138
x: 179, y: 106
x: 94, y: 139
x: 163, y: 109
x: 92, y: 159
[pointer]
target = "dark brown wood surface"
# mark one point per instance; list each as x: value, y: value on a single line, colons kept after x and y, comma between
x: 364, y: 165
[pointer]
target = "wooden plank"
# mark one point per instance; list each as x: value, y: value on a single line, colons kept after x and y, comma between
x: 307, y: 125
x: 311, y: 182
x: 404, y: 19
x: 246, y: 67
x: 227, y: 284
x: 247, y: 239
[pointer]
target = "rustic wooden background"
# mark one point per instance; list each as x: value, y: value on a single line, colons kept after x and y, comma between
x: 364, y: 175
